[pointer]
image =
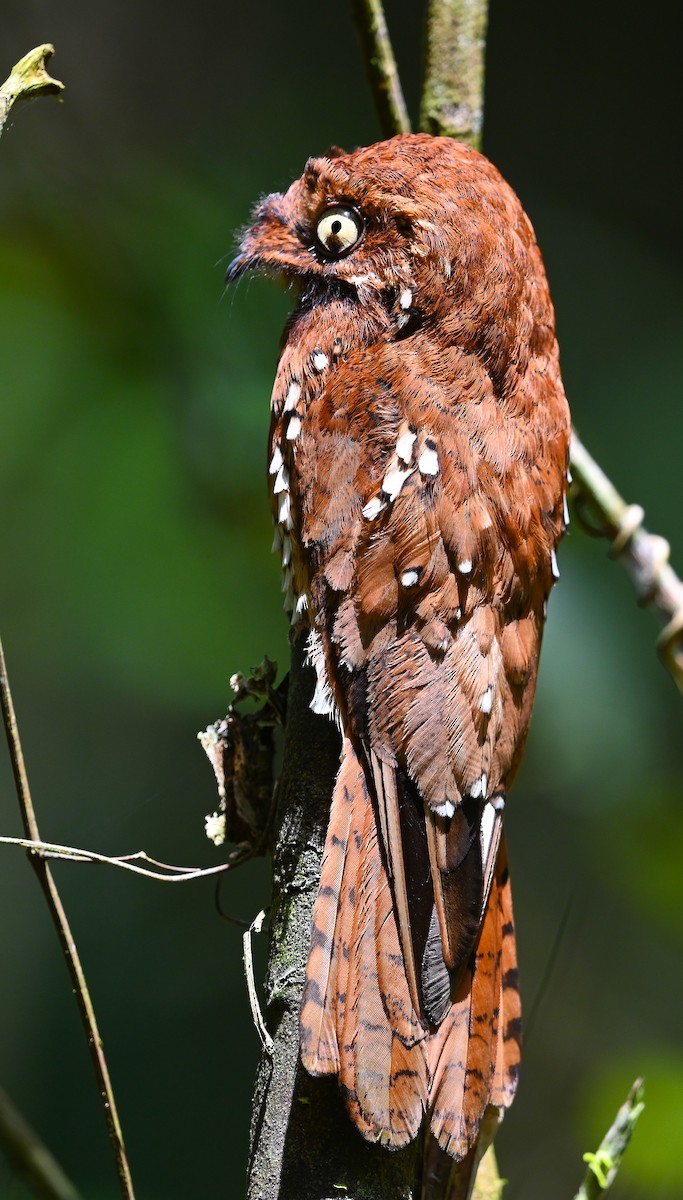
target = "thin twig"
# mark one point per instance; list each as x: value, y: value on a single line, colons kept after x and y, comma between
x: 27, y: 79
x: 453, y: 90
x: 30, y: 1157
x: 125, y: 862
x: 257, y: 1016
x: 645, y: 556
x: 604, y: 1164
x: 381, y: 66
x: 69, y: 950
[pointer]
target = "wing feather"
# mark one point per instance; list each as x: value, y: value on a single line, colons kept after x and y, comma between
x: 431, y: 638
x: 319, y: 1050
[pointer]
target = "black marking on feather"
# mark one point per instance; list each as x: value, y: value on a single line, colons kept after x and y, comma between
x: 434, y: 976
x: 463, y: 883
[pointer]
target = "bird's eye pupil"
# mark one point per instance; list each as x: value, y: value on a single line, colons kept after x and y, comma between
x: 337, y: 231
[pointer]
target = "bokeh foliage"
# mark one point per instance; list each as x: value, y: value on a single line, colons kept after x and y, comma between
x: 135, y: 573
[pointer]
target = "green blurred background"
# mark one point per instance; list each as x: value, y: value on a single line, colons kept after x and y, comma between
x: 135, y: 573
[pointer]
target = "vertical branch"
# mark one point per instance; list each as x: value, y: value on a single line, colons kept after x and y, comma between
x: 380, y: 65
x: 68, y: 945
x: 303, y: 1144
x: 453, y: 92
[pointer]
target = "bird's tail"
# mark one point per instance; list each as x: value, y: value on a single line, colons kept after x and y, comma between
x: 357, y: 1016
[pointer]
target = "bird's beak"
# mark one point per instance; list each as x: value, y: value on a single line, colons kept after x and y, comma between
x: 239, y: 267
x: 269, y: 244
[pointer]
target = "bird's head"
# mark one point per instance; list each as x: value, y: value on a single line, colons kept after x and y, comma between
x: 424, y: 226
x: 411, y: 213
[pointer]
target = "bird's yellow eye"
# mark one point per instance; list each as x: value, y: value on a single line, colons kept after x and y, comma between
x: 338, y: 230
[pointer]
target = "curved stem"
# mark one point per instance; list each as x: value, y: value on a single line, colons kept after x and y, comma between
x: 68, y: 945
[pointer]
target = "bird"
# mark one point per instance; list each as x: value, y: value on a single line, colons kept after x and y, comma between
x: 418, y: 471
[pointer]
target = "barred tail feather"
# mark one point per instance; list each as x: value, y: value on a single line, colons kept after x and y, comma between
x: 357, y: 1016
x: 384, y: 1081
x: 509, y: 1042
x: 317, y: 1020
x: 474, y: 1055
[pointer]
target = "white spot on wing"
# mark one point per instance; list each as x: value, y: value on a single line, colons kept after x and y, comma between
x: 286, y: 550
x: 445, y: 809
x: 323, y: 698
x: 406, y: 298
x: 294, y: 428
x: 488, y: 818
x: 479, y: 787
x: 553, y: 564
x: 284, y: 515
x: 393, y: 481
x: 429, y: 462
x: 292, y: 398
x: 465, y: 566
x: 486, y: 701
x: 319, y: 360
x: 404, y: 446
x: 409, y: 578
x: 373, y: 508
x: 276, y: 461
x: 302, y: 603
x: 281, y: 480
x: 497, y: 802
x: 566, y: 511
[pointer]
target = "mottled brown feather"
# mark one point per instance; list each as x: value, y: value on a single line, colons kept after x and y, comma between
x: 383, y: 1080
x: 319, y: 1050
x: 509, y: 1039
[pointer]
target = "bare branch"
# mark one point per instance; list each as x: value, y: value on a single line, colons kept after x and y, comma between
x: 257, y: 1016
x: 29, y: 78
x: 168, y: 873
x: 30, y: 1158
x: 381, y: 66
x: 453, y: 91
x: 645, y: 556
x: 66, y: 939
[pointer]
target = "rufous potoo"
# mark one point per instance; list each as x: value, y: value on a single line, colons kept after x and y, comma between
x: 417, y: 471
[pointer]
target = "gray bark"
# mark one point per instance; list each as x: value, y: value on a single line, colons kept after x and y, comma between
x: 303, y: 1144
